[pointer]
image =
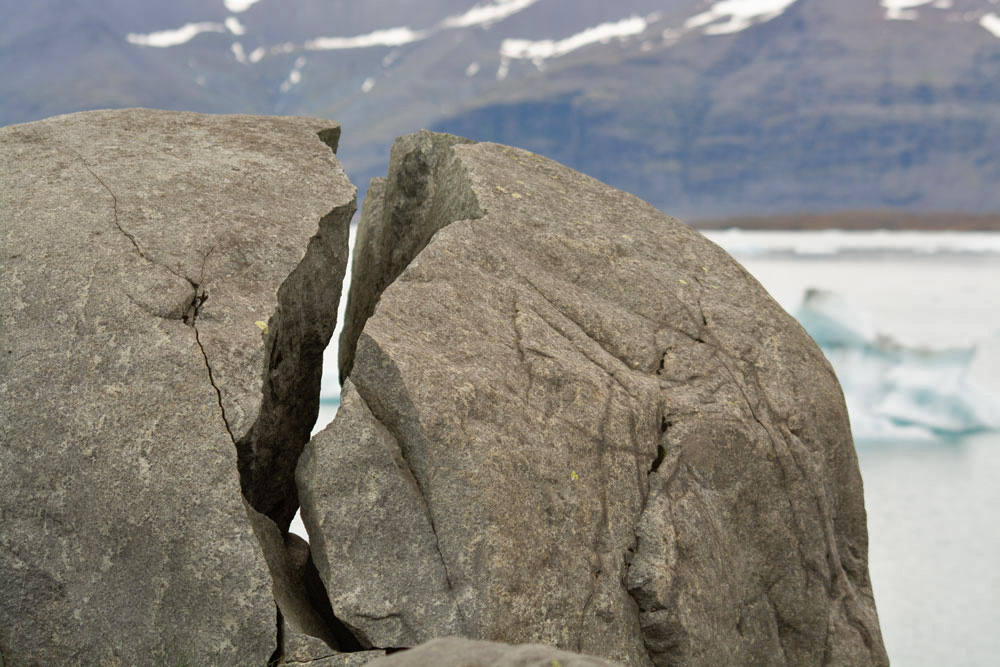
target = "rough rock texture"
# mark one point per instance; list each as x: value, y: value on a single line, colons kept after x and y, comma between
x: 143, y: 253
x: 455, y: 652
x: 357, y: 491
x: 356, y: 659
x: 599, y: 431
x: 421, y: 199
x: 300, y: 649
x: 290, y: 589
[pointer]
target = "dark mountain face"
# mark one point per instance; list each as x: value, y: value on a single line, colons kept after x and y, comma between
x: 705, y: 108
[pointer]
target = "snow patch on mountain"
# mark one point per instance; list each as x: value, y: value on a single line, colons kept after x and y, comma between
x: 165, y: 38
x: 234, y: 26
x: 538, y: 51
x: 740, y: 15
x: 237, y: 6
x: 903, y: 10
x: 488, y: 14
x: 388, y: 37
x: 991, y: 22
x: 295, y: 76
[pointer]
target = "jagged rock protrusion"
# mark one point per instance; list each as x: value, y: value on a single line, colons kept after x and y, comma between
x: 357, y: 488
x: 142, y: 253
x: 305, y: 651
x: 621, y: 444
x: 291, y: 593
x: 398, y: 218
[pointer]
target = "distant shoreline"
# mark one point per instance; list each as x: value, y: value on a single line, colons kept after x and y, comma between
x: 860, y: 221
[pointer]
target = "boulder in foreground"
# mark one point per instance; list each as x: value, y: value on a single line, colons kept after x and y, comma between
x: 169, y: 283
x: 597, y: 430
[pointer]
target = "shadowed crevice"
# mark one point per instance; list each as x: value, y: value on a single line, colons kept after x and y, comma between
x: 427, y: 189
x: 297, y: 335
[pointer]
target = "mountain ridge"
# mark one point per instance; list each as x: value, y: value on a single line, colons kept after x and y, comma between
x: 705, y: 109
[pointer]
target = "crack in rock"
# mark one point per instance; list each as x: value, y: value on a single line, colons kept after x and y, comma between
x: 511, y: 334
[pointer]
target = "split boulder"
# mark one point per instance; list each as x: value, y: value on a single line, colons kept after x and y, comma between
x: 572, y: 420
x: 170, y: 281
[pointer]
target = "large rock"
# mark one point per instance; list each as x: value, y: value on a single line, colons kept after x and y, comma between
x: 169, y: 283
x: 572, y: 420
x: 455, y: 652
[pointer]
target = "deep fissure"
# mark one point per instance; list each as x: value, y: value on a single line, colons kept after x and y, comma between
x: 295, y: 338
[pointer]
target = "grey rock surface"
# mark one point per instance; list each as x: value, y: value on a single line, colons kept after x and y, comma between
x: 140, y: 251
x: 357, y: 490
x: 457, y: 652
x: 623, y: 446
x: 298, y: 612
x: 300, y: 649
x: 421, y: 196
x: 356, y: 659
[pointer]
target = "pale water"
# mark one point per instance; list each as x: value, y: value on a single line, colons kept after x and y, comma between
x: 933, y: 505
x: 934, y: 501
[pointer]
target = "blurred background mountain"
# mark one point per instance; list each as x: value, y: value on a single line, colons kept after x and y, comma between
x: 772, y: 115
x: 707, y: 109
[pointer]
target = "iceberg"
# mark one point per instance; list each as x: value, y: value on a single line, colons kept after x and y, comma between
x: 899, y: 393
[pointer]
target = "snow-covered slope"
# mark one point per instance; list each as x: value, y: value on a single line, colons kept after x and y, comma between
x: 704, y: 107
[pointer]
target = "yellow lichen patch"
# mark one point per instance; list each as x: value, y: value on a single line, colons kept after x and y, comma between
x: 262, y: 325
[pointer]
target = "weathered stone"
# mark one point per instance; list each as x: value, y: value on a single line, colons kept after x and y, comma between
x: 142, y: 253
x: 343, y: 659
x: 300, y: 649
x: 455, y: 652
x: 306, y: 651
x: 422, y: 198
x: 298, y: 610
x: 357, y: 490
x: 622, y: 445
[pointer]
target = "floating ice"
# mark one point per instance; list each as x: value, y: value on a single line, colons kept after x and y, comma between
x: 164, y: 38
x: 897, y: 393
x: 837, y: 241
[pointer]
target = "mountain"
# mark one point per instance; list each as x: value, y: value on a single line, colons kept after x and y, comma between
x: 705, y: 108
